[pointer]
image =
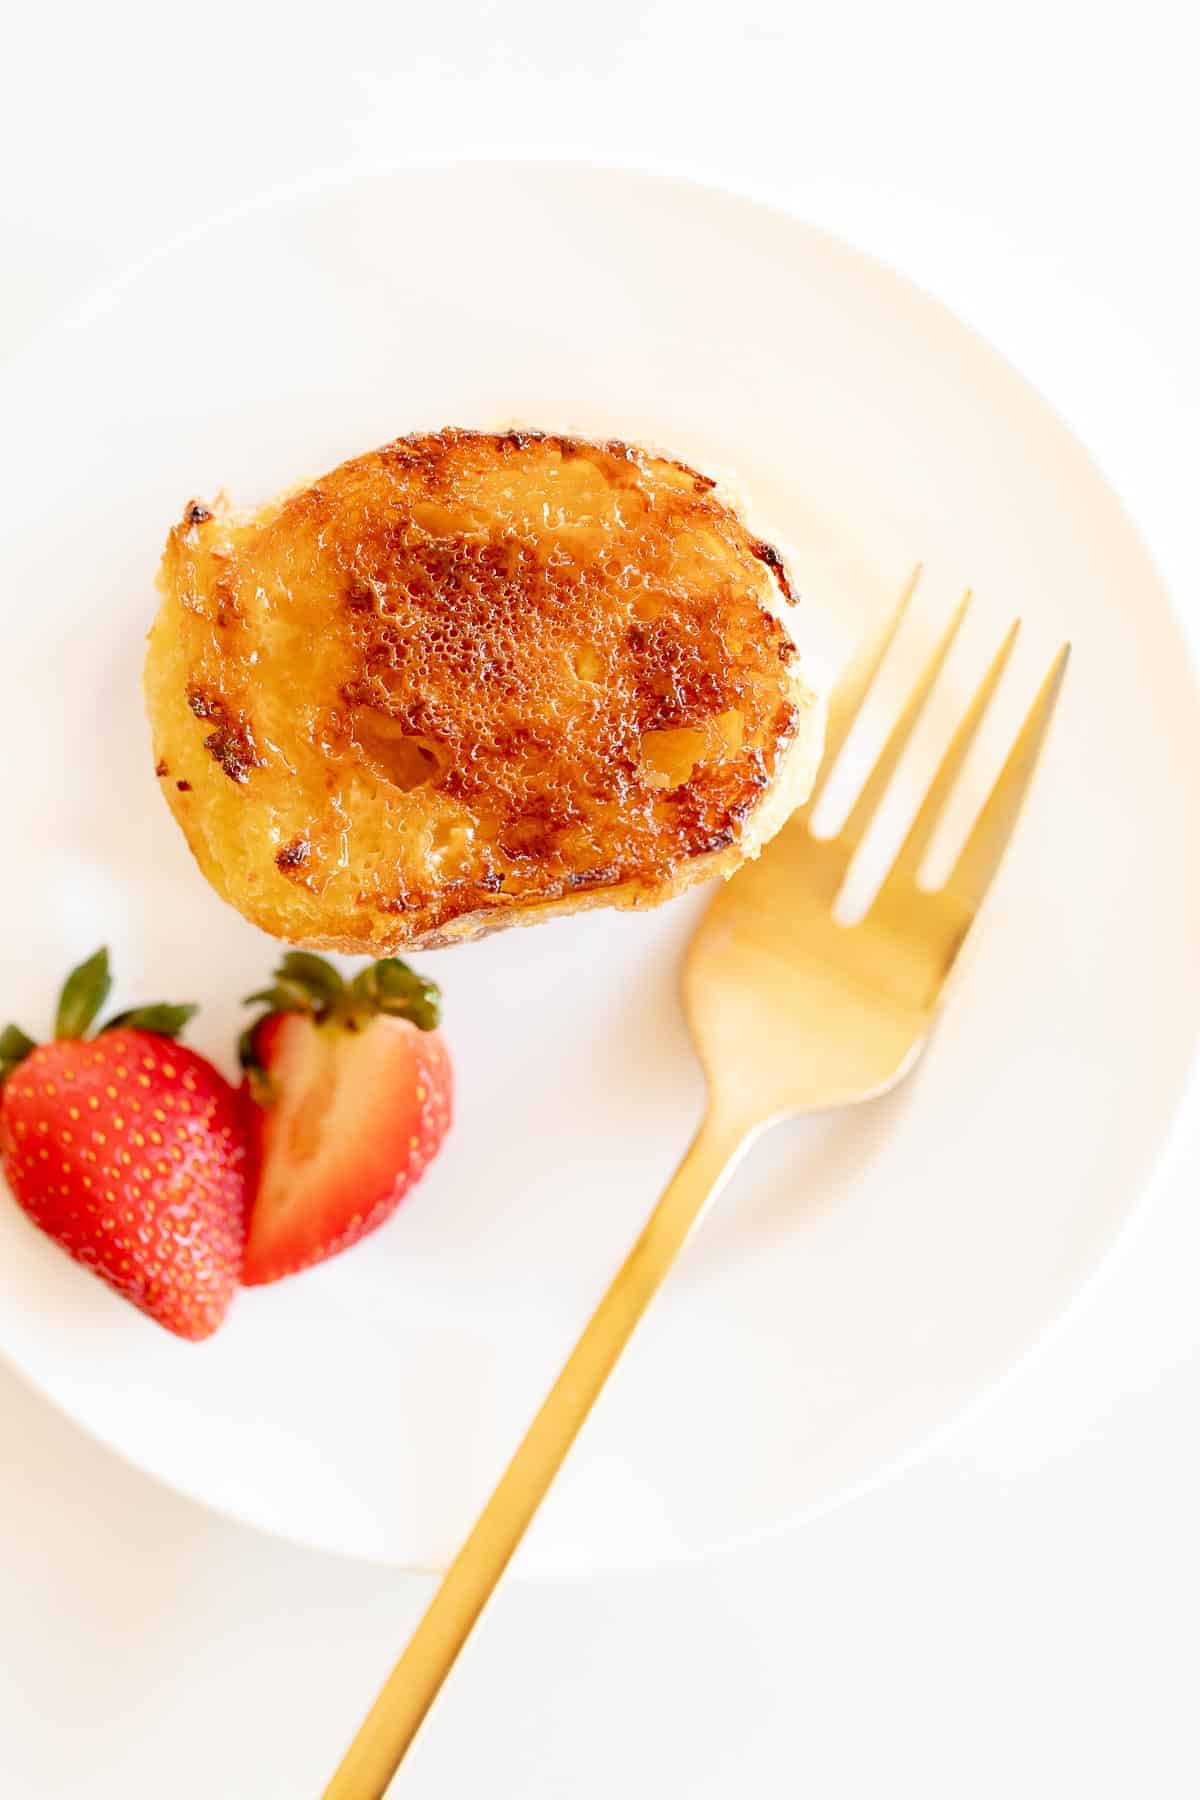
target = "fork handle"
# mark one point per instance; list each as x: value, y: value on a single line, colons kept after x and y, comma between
x: 413, y: 1685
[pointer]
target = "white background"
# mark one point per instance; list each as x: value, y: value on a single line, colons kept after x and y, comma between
x: 1016, y: 1614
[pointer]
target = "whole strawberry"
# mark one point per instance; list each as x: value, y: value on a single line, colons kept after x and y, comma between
x: 129, y: 1151
x: 351, y: 1085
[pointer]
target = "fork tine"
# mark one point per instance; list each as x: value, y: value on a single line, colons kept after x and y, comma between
x: 875, y: 786
x: 980, y: 855
x: 911, y: 853
x: 851, y: 689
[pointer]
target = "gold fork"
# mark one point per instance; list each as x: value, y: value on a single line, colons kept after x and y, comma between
x: 791, y: 1012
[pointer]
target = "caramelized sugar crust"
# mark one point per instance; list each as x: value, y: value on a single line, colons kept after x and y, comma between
x: 468, y: 678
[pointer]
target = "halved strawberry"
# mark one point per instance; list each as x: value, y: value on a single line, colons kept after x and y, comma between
x: 129, y: 1151
x: 351, y: 1084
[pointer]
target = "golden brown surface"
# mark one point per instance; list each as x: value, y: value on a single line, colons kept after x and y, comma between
x: 469, y: 675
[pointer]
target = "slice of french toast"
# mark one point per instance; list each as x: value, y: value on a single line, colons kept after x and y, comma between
x: 471, y: 680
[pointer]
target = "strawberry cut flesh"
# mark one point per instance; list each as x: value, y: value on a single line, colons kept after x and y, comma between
x: 355, y: 1117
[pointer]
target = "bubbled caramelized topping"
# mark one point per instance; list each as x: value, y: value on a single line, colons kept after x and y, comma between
x: 470, y: 672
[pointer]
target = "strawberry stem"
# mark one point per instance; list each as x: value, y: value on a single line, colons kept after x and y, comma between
x: 304, y: 983
x: 84, y: 993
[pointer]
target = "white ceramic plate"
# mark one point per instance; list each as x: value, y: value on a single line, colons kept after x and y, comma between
x: 867, y: 1272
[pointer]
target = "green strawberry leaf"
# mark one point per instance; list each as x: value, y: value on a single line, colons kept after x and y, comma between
x: 15, y: 1046
x: 283, y: 996
x: 84, y: 993
x: 316, y: 977
x: 164, y: 1019
x: 391, y: 987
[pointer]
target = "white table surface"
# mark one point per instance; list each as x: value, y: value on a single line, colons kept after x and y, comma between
x: 1015, y: 1614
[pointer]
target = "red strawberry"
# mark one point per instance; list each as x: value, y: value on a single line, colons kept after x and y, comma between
x: 128, y: 1150
x: 352, y: 1084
